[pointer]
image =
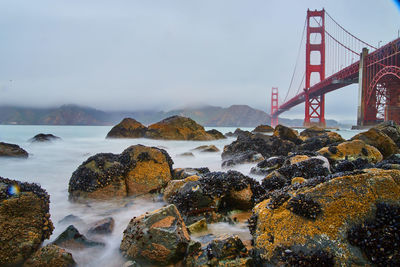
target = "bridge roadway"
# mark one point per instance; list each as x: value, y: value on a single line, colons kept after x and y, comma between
x: 344, y: 77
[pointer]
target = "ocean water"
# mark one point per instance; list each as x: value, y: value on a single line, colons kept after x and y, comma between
x: 51, y: 166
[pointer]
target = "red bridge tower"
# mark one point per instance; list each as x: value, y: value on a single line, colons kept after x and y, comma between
x: 274, y: 106
x: 315, y: 105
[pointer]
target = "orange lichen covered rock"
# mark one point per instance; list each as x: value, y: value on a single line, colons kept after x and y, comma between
x: 352, y: 150
x: 378, y: 139
x: 318, y: 226
x: 178, y: 128
x: 263, y: 129
x: 127, y: 128
x: 159, y: 238
x: 24, y: 220
x: 287, y: 133
x: 298, y: 158
x: 49, y: 256
x: 137, y: 170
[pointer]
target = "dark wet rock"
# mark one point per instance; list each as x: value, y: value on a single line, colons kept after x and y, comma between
x: 49, y: 256
x: 296, y: 166
x: 182, y: 173
x: 24, y: 220
x: 44, y: 138
x: 72, y: 239
x: 318, y: 142
x: 379, y: 237
x: 217, y: 191
x: 137, y: 170
x: 216, y: 134
x: 303, y: 259
x: 243, y: 158
x: 304, y: 205
x: 128, y: 128
x: 12, y: 150
x: 104, y: 226
x: 263, y: 129
x: 267, y: 146
x: 268, y: 165
x: 391, y: 129
x: 391, y: 162
x: 351, y: 150
x: 378, y: 139
x: 159, y: 237
x: 239, y: 132
x: 358, y: 164
x: 178, y: 128
x: 173, y: 186
x: 222, y: 251
x: 207, y: 148
x: 321, y: 227
x: 286, y: 133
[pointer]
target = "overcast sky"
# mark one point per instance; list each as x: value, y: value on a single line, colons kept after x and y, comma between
x: 131, y: 55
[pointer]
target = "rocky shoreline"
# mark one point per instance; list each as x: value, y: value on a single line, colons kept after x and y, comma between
x: 321, y: 201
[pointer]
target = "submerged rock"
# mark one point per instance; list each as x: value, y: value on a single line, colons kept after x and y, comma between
x: 137, y: 170
x: 12, y: 150
x: 24, y: 220
x: 182, y: 173
x: 51, y: 256
x: 207, y: 148
x: 312, y: 223
x: 71, y: 238
x: 104, y: 226
x: 44, y: 138
x: 268, y: 165
x: 159, y: 237
x: 128, y: 128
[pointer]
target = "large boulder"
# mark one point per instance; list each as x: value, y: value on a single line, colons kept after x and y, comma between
x: 351, y: 151
x: 127, y: 128
x: 158, y: 238
x: 263, y: 129
x: 44, y: 138
x: 378, y: 139
x: 391, y: 129
x: 178, y: 128
x: 137, y: 170
x: 51, y: 256
x: 12, y: 150
x: 24, y: 220
x: 287, y: 133
x: 331, y: 221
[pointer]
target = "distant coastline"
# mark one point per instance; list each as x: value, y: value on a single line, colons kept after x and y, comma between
x: 209, y: 116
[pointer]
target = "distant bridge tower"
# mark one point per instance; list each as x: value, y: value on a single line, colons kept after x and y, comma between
x: 274, y: 106
x: 315, y: 105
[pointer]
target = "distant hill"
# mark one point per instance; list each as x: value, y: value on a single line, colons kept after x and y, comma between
x: 233, y: 116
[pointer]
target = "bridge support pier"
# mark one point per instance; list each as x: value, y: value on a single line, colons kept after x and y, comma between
x: 362, y: 87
